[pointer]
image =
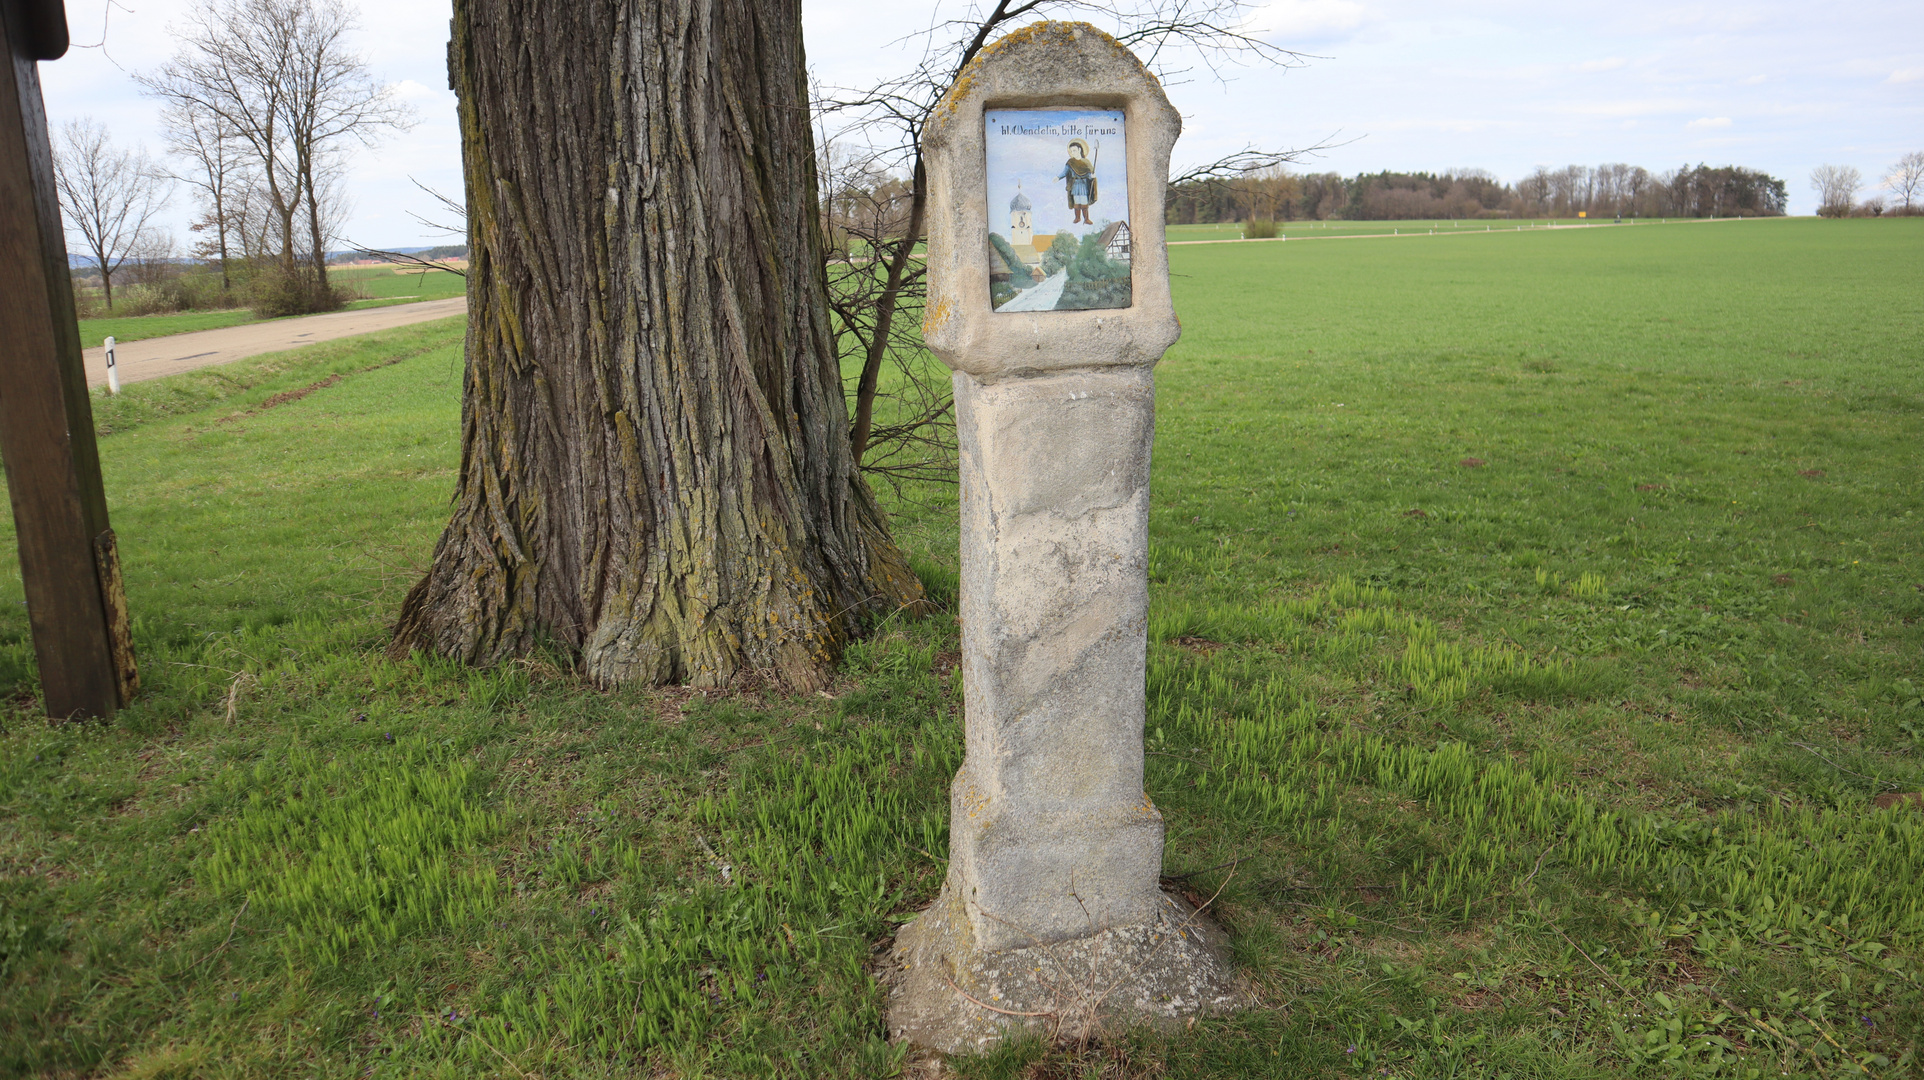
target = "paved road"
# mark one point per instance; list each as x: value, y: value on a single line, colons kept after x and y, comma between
x: 155, y: 357
x: 1042, y: 296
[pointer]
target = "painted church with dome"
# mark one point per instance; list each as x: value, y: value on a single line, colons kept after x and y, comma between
x: 1022, y: 235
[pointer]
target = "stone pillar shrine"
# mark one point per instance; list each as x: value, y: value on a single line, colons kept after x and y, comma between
x: 1052, y: 918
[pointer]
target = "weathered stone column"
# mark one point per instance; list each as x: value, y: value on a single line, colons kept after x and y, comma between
x: 1050, y: 834
x: 1052, y: 916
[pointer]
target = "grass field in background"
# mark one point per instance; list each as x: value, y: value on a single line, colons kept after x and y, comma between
x: 1536, y: 617
x: 384, y: 283
x: 373, y: 287
x: 1329, y: 230
x: 94, y: 332
x: 1311, y: 230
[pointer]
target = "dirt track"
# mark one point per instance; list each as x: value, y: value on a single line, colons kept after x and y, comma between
x: 155, y: 357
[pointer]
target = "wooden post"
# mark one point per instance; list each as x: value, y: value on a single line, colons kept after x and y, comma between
x: 68, y: 559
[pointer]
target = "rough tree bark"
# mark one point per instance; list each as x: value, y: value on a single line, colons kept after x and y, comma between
x: 655, y: 465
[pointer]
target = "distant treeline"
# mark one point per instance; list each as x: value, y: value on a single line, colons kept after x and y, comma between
x: 1600, y: 191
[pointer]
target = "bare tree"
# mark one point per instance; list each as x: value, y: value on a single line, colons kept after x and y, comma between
x: 333, y: 100
x: 231, y: 67
x: 109, y: 195
x: 252, y: 219
x: 217, y: 171
x: 866, y: 208
x: 1836, y: 187
x: 1534, y: 191
x: 655, y: 469
x: 154, y: 260
x: 1262, y: 191
x: 658, y: 468
x: 278, y: 75
x: 1906, y: 178
x: 887, y: 120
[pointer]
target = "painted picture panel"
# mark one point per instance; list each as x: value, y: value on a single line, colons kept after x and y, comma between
x: 1058, y: 210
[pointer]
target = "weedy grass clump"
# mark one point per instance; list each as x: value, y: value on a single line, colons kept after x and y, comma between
x: 1576, y: 763
x: 354, y: 855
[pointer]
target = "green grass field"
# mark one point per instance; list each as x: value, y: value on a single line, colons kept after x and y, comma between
x: 1317, y: 230
x: 1330, y: 230
x: 381, y: 283
x: 94, y: 332
x: 1535, y: 616
x: 374, y: 287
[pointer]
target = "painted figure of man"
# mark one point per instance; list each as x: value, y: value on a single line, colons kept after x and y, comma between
x: 1079, y: 176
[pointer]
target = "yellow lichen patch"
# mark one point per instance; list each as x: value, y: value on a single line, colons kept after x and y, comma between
x: 965, y: 82
x: 1064, y: 32
x: 1062, y: 29
x: 938, y: 316
x: 958, y: 91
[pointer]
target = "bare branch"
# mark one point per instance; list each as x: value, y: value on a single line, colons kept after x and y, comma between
x: 405, y: 259
x: 457, y: 211
x: 1251, y: 160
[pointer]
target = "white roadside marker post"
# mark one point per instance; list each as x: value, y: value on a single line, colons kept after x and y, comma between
x: 1052, y: 918
x: 113, y: 373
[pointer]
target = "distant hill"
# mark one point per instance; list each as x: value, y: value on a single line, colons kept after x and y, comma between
x: 443, y: 251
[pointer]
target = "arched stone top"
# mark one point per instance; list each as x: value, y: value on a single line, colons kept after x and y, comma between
x: 1044, y: 65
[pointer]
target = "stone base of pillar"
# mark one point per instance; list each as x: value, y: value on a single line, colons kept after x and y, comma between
x: 947, y: 994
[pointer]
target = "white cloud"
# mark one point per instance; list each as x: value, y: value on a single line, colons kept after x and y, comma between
x: 1704, y: 123
x: 409, y: 90
x: 1300, y: 21
x: 1626, y: 107
x: 1609, y: 64
x: 1904, y: 75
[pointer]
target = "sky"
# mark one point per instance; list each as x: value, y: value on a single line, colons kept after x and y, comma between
x: 1500, y: 85
x: 405, y: 44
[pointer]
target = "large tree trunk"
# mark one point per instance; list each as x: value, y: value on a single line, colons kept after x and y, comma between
x: 287, y: 235
x: 315, y: 237
x: 310, y: 187
x: 220, y: 233
x: 655, y: 464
